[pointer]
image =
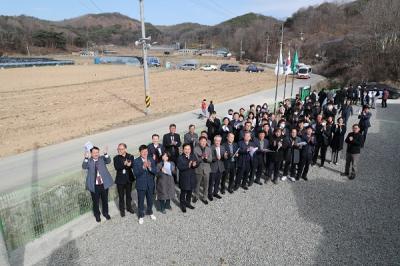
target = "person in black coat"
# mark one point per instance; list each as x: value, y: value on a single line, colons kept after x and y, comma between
x: 292, y: 157
x: 338, y: 132
x: 187, y: 162
x: 259, y: 156
x: 156, y: 150
x: 225, y: 129
x: 210, y: 108
x: 354, y: 141
x: 278, y: 146
x: 124, y: 178
x: 346, y: 111
x: 171, y: 143
x: 322, y: 136
x: 244, y: 162
x: 364, y: 123
x: 230, y: 163
x: 213, y: 125
x: 306, y: 154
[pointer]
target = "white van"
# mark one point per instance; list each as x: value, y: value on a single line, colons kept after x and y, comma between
x: 304, y: 72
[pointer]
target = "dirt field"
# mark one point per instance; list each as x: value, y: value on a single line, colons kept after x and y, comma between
x: 46, y: 105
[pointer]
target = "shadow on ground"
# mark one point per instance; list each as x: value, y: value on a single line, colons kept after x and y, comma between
x: 360, y: 218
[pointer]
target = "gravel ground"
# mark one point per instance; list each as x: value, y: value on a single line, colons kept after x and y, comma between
x: 327, y: 220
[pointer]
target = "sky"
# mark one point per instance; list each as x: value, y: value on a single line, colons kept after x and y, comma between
x: 158, y: 12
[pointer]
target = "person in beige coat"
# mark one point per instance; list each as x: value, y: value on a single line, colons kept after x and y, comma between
x: 203, y: 153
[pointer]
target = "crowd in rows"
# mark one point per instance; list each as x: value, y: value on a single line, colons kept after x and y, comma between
x: 245, y: 147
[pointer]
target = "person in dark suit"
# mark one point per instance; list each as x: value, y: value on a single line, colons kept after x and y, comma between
x: 98, y: 180
x: 346, y: 111
x: 213, y: 126
x: 292, y: 157
x: 145, y: 170
x: 246, y: 128
x: 123, y: 163
x: 244, y: 162
x: 172, y: 142
x: 364, y: 98
x: 191, y: 137
x: 354, y: 141
x: 259, y: 157
x: 156, y: 150
x: 322, y: 136
x: 229, y: 163
x: 217, y: 167
x: 278, y: 147
x: 306, y: 154
x: 364, y: 123
x: 338, y: 132
x: 187, y: 162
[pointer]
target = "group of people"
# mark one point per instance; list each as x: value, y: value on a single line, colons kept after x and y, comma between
x: 236, y: 152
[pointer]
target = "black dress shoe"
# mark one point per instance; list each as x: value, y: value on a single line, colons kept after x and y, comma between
x: 190, y: 206
x: 245, y: 187
x: 98, y: 219
x: 251, y: 183
x: 258, y: 182
x: 183, y: 209
x: 122, y: 214
x: 352, y: 176
x: 217, y: 196
x: 130, y: 210
x: 230, y: 190
x: 304, y: 178
x: 222, y: 192
x: 236, y: 188
x: 194, y: 200
x: 107, y: 216
x: 210, y: 198
x: 204, y: 201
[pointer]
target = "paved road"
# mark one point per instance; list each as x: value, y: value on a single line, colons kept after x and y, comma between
x: 328, y: 220
x: 54, y: 160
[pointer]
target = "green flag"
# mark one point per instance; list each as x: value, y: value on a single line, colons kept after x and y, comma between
x: 295, y: 62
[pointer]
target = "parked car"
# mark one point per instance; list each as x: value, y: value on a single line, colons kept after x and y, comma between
x: 153, y: 62
x: 223, y: 66
x: 231, y: 68
x: 254, y: 68
x: 209, y: 68
x: 304, y: 72
x: 374, y: 86
x: 188, y: 67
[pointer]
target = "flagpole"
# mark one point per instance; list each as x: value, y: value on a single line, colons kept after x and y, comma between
x: 284, y: 90
x: 277, y: 72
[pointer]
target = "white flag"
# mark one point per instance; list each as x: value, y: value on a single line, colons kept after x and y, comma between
x: 279, y: 64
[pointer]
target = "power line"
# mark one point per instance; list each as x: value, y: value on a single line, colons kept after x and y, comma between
x: 219, y: 6
x: 96, y: 6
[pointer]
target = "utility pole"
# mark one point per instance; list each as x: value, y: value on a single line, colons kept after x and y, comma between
x: 241, y: 50
x: 266, y: 56
x: 278, y: 70
x: 145, y: 66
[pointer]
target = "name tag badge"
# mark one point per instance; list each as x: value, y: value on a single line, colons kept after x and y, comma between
x: 124, y: 171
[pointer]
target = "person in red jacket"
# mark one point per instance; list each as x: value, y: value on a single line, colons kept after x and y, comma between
x: 385, y: 96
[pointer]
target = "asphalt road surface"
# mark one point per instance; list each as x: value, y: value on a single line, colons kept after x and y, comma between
x: 29, y: 167
x: 328, y: 220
